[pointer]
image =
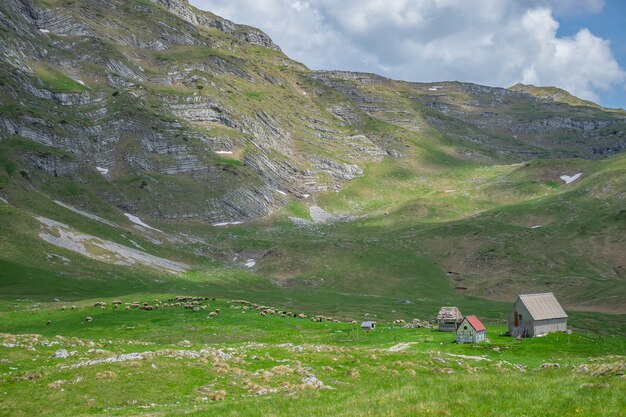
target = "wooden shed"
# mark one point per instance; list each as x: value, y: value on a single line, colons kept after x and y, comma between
x: 536, y: 314
x: 449, y: 319
x: 471, y: 330
x: 368, y: 325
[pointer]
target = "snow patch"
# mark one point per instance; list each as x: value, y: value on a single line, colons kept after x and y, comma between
x: 103, y: 171
x: 281, y: 192
x: 567, y: 179
x: 225, y: 223
x: 250, y: 263
x: 537, y: 226
x: 306, y: 195
x: 138, y: 221
x: 82, y: 83
x: 224, y: 152
x: 3, y: 200
x: 44, y: 31
x: 83, y: 213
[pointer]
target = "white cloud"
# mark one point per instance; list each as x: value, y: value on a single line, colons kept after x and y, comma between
x: 492, y: 42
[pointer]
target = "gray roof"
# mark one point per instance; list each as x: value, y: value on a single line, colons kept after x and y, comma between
x: 368, y: 323
x: 543, y: 306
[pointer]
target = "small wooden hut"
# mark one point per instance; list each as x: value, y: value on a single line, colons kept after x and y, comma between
x: 536, y: 314
x: 368, y: 325
x: 471, y: 330
x: 449, y: 319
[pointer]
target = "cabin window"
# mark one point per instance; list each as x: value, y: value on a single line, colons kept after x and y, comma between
x: 464, y: 327
x: 520, y: 317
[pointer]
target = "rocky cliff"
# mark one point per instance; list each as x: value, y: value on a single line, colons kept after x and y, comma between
x: 174, y: 113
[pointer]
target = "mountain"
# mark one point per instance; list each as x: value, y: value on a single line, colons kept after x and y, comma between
x: 115, y: 115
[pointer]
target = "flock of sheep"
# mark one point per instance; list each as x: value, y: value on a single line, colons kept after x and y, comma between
x: 196, y: 304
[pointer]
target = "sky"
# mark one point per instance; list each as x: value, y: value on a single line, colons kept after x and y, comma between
x: 577, y: 45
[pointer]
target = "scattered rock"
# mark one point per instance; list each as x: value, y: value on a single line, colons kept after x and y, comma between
x: 56, y: 384
x: 61, y: 354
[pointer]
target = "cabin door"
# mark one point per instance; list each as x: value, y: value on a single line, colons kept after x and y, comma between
x: 516, y: 319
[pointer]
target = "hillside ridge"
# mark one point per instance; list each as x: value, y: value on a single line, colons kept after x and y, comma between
x: 248, y: 166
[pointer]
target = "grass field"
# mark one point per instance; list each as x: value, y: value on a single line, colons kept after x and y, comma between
x: 175, y: 361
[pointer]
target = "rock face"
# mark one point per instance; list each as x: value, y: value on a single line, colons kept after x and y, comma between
x: 507, y: 121
x: 182, y: 9
x: 175, y: 113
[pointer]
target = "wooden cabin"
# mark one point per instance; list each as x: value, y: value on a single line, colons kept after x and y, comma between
x: 471, y: 330
x: 536, y: 314
x: 368, y: 325
x: 449, y: 319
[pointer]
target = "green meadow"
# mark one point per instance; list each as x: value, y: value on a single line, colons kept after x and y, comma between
x: 176, y: 361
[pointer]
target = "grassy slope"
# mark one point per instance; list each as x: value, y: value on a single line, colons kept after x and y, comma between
x: 358, y: 267
x: 434, y: 210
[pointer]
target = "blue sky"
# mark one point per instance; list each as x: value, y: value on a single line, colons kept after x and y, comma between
x: 578, y: 45
x: 609, y: 23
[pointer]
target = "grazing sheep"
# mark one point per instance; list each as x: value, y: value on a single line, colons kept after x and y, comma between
x: 88, y: 319
x: 49, y: 323
x: 217, y: 395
